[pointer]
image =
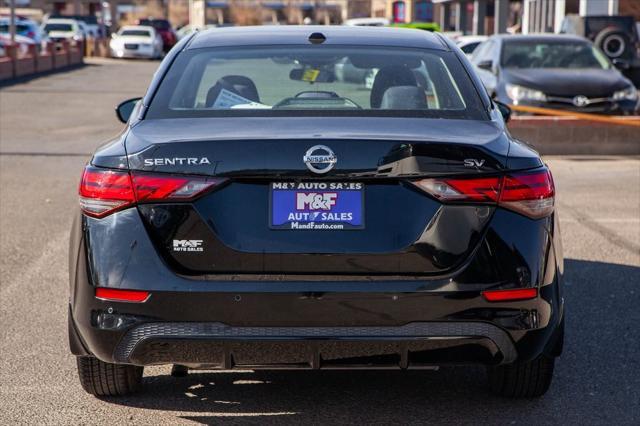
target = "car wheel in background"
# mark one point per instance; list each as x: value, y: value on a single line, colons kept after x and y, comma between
x: 614, y: 43
x: 522, y: 379
x: 103, y: 379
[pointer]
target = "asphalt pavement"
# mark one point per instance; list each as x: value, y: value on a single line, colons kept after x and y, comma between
x: 48, y: 128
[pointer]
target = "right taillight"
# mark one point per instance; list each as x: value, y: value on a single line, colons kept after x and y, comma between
x: 104, y: 191
x: 531, y: 193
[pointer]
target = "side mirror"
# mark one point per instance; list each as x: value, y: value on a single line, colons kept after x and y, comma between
x: 505, y: 111
x: 124, y: 110
x: 621, y: 64
x: 485, y: 65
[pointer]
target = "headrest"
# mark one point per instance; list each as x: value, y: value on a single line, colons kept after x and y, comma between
x: 404, y: 97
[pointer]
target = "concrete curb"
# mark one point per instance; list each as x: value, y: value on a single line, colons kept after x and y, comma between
x: 575, y: 136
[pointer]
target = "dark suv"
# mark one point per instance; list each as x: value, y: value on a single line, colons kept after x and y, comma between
x: 616, y: 36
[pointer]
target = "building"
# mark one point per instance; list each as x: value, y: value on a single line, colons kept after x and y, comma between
x: 403, y: 11
x: 527, y: 16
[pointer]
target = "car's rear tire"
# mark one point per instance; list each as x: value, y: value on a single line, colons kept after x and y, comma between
x: 522, y: 379
x: 104, y: 379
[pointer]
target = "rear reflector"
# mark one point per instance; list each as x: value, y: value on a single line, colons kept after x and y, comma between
x: 118, y: 295
x: 531, y: 194
x: 510, y: 295
x: 104, y: 191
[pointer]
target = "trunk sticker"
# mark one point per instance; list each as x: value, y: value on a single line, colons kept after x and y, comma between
x: 317, y: 205
x: 187, y: 245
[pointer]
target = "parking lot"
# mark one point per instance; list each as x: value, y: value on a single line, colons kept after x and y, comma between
x: 48, y: 128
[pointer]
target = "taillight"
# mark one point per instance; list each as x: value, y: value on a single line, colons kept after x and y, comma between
x: 104, y: 191
x: 531, y: 194
x: 162, y: 188
x: 479, y: 190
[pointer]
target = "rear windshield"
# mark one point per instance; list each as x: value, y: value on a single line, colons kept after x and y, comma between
x: 58, y: 27
x: 138, y: 33
x: 317, y: 80
x: 549, y: 54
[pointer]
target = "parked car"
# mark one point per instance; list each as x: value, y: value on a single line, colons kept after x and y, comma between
x: 59, y: 29
x: 22, y: 42
x: 555, y: 71
x: 469, y: 43
x: 163, y: 27
x: 257, y: 213
x: 91, y: 24
x: 24, y: 27
x: 137, y: 41
x: 617, y: 36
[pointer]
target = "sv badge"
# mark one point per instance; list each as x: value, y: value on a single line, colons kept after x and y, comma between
x: 472, y: 162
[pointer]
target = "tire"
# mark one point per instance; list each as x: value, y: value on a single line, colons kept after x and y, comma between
x: 104, y: 379
x: 522, y: 379
x: 614, y: 43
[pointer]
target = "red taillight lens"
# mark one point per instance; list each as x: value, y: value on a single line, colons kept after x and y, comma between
x: 510, y: 295
x: 480, y: 190
x: 118, y: 295
x: 104, y: 191
x: 160, y: 188
x: 531, y: 194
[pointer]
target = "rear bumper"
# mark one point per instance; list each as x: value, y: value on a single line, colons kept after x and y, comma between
x: 307, y: 330
x: 140, y: 53
x: 236, y: 321
x: 216, y: 345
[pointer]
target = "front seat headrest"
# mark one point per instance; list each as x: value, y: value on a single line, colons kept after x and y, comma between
x: 404, y: 97
x: 238, y: 84
x: 392, y: 75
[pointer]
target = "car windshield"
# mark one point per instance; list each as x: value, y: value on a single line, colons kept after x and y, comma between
x: 317, y: 80
x: 139, y: 33
x: 58, y: 27
x: 4, y: 28
x: 552, y: 54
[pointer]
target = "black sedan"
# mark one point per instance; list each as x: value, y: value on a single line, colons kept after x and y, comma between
x: 256, y: 212
x: 553, y: 71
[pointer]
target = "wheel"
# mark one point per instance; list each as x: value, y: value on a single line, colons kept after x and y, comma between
x: 104, y: 379
x: 522, y: 379
x: 614, y: 43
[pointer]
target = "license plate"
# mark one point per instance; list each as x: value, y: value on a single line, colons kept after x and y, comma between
x: 317, y: 206
x: 131, y: 46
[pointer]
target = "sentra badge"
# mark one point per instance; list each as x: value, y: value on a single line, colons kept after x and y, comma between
x: 180, y: 161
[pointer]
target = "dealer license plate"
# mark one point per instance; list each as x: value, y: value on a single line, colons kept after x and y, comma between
x: 317, y: 206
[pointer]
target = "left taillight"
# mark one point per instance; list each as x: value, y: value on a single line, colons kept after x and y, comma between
x: 104, y: 191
